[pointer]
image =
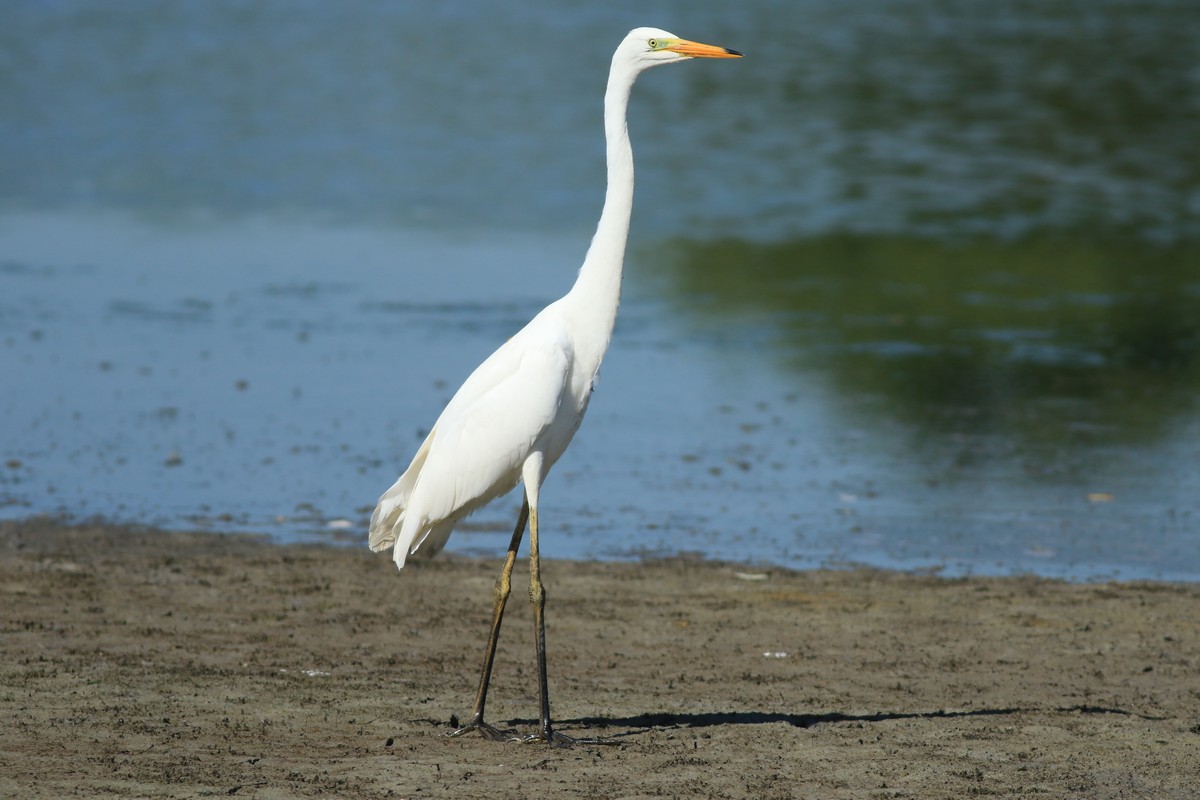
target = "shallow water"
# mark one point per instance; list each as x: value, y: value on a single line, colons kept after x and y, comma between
x: 915, y: 284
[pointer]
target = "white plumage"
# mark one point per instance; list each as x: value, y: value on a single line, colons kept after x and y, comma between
x: 529, y: 396
x: 515, y: 415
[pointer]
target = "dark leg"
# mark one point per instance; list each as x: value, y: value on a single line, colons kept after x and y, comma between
x: 503, y: 586
x: 537, y: 597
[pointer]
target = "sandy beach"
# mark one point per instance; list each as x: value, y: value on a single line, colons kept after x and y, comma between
x: 139, y: 663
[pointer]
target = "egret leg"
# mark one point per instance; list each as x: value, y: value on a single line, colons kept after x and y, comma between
x: 503, y: 587
x: 537, y: 597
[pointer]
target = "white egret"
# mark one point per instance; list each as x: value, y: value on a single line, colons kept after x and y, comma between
x: 516, y: 413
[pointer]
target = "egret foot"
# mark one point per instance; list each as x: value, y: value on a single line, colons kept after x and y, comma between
x: 556, y: 739
x: 486, y: 731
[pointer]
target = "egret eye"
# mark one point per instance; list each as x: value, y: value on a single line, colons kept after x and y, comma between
x: 653, y: 44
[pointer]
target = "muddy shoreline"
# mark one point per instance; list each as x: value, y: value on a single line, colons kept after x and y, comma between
x: 139, y: 663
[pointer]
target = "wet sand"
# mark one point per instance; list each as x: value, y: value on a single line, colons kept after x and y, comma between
x: 145, y: 664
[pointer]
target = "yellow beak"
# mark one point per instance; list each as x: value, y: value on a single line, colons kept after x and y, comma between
x: 697, y: 50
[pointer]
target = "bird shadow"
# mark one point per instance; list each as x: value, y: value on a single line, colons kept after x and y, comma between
x: 643, y: 723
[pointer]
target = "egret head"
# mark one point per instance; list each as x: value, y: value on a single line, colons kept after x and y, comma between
x: 649, y: 47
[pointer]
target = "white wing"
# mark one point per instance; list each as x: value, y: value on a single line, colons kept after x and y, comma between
x: 477, y: 447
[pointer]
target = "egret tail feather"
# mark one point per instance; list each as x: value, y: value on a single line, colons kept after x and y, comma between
x: 389, y: 512
x: 385, y: 522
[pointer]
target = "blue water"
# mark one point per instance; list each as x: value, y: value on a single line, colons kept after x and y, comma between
x: 916, y: 284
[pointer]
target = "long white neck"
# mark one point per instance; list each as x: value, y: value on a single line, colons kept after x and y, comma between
x: 594, y: 298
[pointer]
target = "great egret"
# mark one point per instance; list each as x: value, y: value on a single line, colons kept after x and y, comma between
x: 517, y: 412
